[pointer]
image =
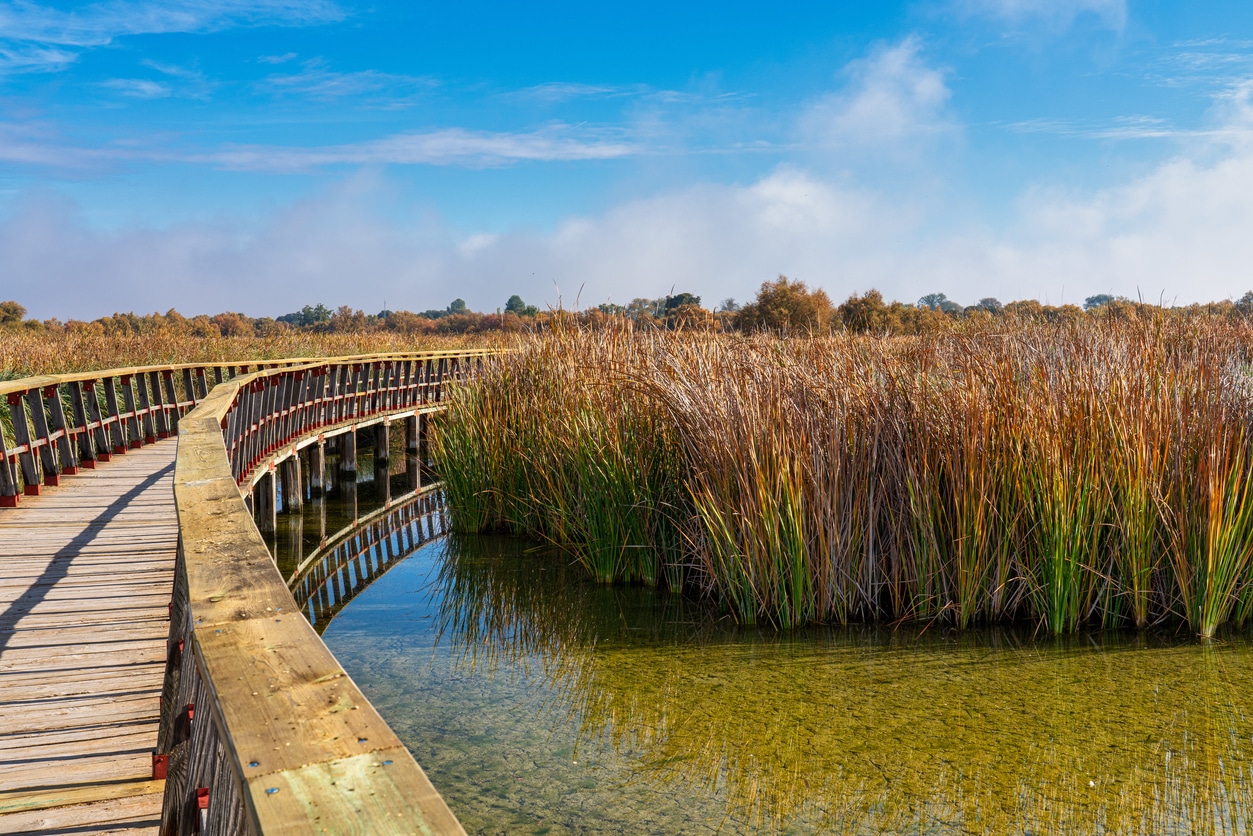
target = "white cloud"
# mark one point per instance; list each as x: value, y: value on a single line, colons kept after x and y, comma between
x: 452, y: 146
x: 1180, y: 232
x: 36, y: 37
x: 97, y: 24
x: 560, y: 91
x: 276, y: 59
x: 138, y: 88
x: 1054, y: 14
x: 892, y: 97
x: 38, y: 145
x: 15, y: 58
x: 315, y: 81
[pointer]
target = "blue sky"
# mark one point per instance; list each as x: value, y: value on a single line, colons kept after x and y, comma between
x: 259, y: 156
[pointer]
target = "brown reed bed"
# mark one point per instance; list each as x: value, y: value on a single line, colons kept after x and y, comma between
x: 1075, y: 474
x: 24, y: 353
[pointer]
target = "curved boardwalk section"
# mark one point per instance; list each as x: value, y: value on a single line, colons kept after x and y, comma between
x: 155, y: 670
x: 85, y: 577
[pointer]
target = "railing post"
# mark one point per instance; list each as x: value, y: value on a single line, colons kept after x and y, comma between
x: 145, y: 409
x: 161, y: 418
x: 26, y: 449
x: 171, y: 399
x: 91, y: 400
x: 60, y: 428
x: 134, y: 439
x: 189, y: 390
x: 8, y: 476
x: 39, y: 422
x: 86, y: 439
x: 117, y: 432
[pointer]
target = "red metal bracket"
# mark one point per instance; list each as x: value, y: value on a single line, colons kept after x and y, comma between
x: 15, y: 398
x: 160, y: 766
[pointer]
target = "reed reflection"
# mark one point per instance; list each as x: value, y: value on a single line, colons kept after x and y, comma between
x: 866, y: 730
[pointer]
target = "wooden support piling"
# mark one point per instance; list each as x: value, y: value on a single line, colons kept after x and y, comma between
x: 382, y: 441
x: 293, y: 490
x: 265, y: 501
x: 348, y: 452
x: 317, y: 466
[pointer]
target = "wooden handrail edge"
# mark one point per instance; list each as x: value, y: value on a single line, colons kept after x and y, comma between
x: 306, y: 746
x: 25, y: 384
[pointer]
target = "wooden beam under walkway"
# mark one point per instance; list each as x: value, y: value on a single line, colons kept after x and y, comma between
x: 86, y: 571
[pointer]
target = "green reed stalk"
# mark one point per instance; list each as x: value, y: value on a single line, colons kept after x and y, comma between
x: 1038, y: 472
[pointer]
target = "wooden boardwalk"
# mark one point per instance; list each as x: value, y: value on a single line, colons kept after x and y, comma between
x: 85, y: 581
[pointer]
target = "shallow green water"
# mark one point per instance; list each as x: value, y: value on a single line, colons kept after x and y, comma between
x: 541, y: 703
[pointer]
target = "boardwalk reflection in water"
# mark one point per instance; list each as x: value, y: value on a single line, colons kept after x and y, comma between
x: 540, y: 703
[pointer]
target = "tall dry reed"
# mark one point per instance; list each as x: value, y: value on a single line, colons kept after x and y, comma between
x: 1087, y: 473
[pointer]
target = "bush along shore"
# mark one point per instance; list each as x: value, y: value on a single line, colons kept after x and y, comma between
x: 1090, y: 473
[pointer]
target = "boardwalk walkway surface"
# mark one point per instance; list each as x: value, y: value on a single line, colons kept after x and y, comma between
x: 85, y: 579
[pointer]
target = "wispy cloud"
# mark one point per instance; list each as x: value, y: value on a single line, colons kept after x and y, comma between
x: 316, y: 81
x: 1206, y: 64
x: 1053, y: 14
x: 99, y: 23
x: 20, y: 57
x: 276, y: 59
x: 453, y: 147
x: 1121, y: 127
x: 561, y: 91
x: 40, y: 145
x: 35, y: 37
x: 138, y: 88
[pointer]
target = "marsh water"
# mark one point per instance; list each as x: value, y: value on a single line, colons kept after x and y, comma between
x: 539, y: 702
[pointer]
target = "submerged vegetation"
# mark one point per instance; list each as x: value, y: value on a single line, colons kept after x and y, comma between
x: 1085, y: 472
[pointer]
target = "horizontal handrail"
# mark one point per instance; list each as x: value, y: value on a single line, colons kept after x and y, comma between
x: 291, y: 744
x: 63, y: 422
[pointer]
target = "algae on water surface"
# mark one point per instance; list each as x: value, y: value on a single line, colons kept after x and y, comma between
x: 541, y: 702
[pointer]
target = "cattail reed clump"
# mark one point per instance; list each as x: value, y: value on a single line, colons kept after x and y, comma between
x: 1088, y: 473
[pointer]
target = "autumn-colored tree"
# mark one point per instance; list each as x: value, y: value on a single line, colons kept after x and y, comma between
x: 232, y: 324
x: 867, y: 313
x: 788, y: 306
x: 11, y: 313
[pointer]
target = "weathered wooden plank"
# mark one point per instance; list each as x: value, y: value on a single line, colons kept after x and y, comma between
x: 69, y: 737
x: 82, y: 769
x: 137, y: 804
x: 11, y: 801
x: 70, y: 742
x: 84, y: 593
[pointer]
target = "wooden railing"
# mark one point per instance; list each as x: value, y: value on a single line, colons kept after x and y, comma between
x: 60, y: 423
x: 291, y: 744
x: 63, y: 422
x: 261, y: 729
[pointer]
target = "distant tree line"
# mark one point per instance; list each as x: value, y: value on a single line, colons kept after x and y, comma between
x: 781, y: 305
